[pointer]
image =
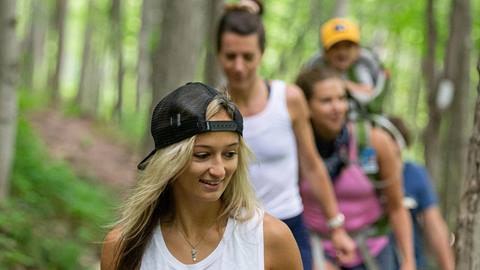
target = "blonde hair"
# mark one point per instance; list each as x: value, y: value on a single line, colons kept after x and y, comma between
x: 152, y: 198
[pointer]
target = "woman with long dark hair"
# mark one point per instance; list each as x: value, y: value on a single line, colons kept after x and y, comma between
x: 366, y: 174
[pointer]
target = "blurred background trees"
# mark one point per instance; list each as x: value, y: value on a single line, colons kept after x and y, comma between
x: 8, y: 92
x: 110, y: 60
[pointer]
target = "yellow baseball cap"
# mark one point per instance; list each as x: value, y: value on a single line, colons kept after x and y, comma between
x: 339, y: 29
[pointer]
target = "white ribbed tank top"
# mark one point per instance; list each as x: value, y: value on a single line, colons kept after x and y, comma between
x: 241, y: 248
x: 274, y: 173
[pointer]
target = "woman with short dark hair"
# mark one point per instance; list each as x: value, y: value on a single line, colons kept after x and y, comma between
x: 277, y: 128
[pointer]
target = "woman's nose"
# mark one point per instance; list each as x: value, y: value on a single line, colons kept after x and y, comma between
x: 239, y: 64
x: 217, y: 169
x: 339, y: 105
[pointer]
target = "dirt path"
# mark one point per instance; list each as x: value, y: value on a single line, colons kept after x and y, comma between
x: 90, y: 153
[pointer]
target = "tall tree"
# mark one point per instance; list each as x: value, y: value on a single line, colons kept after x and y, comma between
x: 179, y: 48
x: 468, y: 229
x: 88, y: 90
x: 445, y: 134
x: 431, y: 134
x: 340, y: 8
x: 59, y: 25
x: 152, y: 14
x: 33, y: 45
x: 86, y: 52
x: 318, y: 11
x: 8, y: 101
x: 456, y: 73
x: 117, y: 47
x: 213, y: 74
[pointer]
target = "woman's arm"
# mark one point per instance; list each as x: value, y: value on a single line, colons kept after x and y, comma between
x: 281, y: 250
x: 108, y: 251
x: 313, y: 169
x: 390, y: 166
x: 436, y: 233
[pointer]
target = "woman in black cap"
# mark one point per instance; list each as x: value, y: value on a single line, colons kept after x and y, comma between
x: 193, y: 207
x: 277, y: 129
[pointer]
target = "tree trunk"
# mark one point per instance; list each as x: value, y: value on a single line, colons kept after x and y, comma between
x: 86, y: 55
x: 97, y: 74
x: 152, y: 13
x: 213, y: 72
x: 340, y: 8
x: 87, y: 98
x: 389, y: 99
x: 33, y: 46
x: 60, y: 15
x: 431, y: 135
x: 414, y: 100
x: 179, y: 47
x: 314, y: 21
x: 457, y: 70
x: 8, y: 101
x: 117, y: 47
x: 177, y: 54
x: 467, y: 242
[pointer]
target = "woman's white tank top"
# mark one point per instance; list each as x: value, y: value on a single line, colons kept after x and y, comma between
x: 241, y: 248
x: 274, y: 172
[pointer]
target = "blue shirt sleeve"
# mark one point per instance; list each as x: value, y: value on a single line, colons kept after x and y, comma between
x: 417, y: 184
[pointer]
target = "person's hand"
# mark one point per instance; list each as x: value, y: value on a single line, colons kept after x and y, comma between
x: 344, y: 245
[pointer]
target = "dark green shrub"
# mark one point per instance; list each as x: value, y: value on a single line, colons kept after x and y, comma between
x: 53, y: 219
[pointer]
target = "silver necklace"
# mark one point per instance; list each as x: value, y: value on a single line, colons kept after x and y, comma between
x: 194, y: 250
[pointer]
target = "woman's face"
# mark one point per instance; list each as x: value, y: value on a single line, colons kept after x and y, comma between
x: 239, y: 57
x: 215, y: 159
x: 342, y: 55
x: 328, y: 106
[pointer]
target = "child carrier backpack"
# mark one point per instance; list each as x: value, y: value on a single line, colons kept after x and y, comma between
x: 380, y: 77
x: 360, y: 107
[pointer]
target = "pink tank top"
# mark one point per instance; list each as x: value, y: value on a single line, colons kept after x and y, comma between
x: 356, y: 199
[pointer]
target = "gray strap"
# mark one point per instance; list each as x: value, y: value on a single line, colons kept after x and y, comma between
x: 368, y: 260
x: 360, y: 238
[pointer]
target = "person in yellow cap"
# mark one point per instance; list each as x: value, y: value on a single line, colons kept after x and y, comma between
x: 340, y: 38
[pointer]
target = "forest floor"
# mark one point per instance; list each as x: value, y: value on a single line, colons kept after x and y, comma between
x: 90, y: 153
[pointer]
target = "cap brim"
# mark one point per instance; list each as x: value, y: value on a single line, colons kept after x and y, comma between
x: 143, y: 164
x: 340, y: 38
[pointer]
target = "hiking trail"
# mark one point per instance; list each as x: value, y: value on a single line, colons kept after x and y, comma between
x: 90, y: 153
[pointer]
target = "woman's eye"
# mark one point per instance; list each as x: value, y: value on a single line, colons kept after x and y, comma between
x: 231, y: 56
x: 200, y: 155
x: 230, y: 154
x: 248, y: 57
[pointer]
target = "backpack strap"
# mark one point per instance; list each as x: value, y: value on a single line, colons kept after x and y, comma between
x: 367, y: 159
x: 383, y: 122
x: 362, y: 135
x: 366, y: 154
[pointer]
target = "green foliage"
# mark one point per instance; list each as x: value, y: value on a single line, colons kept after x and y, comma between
x: 31, y: 101
x: 52, y: 220
x: 395, y: 28
x: 292, y: 29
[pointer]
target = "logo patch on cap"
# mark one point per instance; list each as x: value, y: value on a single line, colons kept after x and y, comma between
x: 339, y: 27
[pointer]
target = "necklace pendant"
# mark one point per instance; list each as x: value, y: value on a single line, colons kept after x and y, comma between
x: 194, y: 254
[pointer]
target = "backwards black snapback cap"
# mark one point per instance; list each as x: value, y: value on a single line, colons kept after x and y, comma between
x: 181, y: 115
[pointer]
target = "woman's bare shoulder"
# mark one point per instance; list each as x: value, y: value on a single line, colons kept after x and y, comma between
x: 274, y: 228
x: 281, y: 250
x: 110, y: 245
